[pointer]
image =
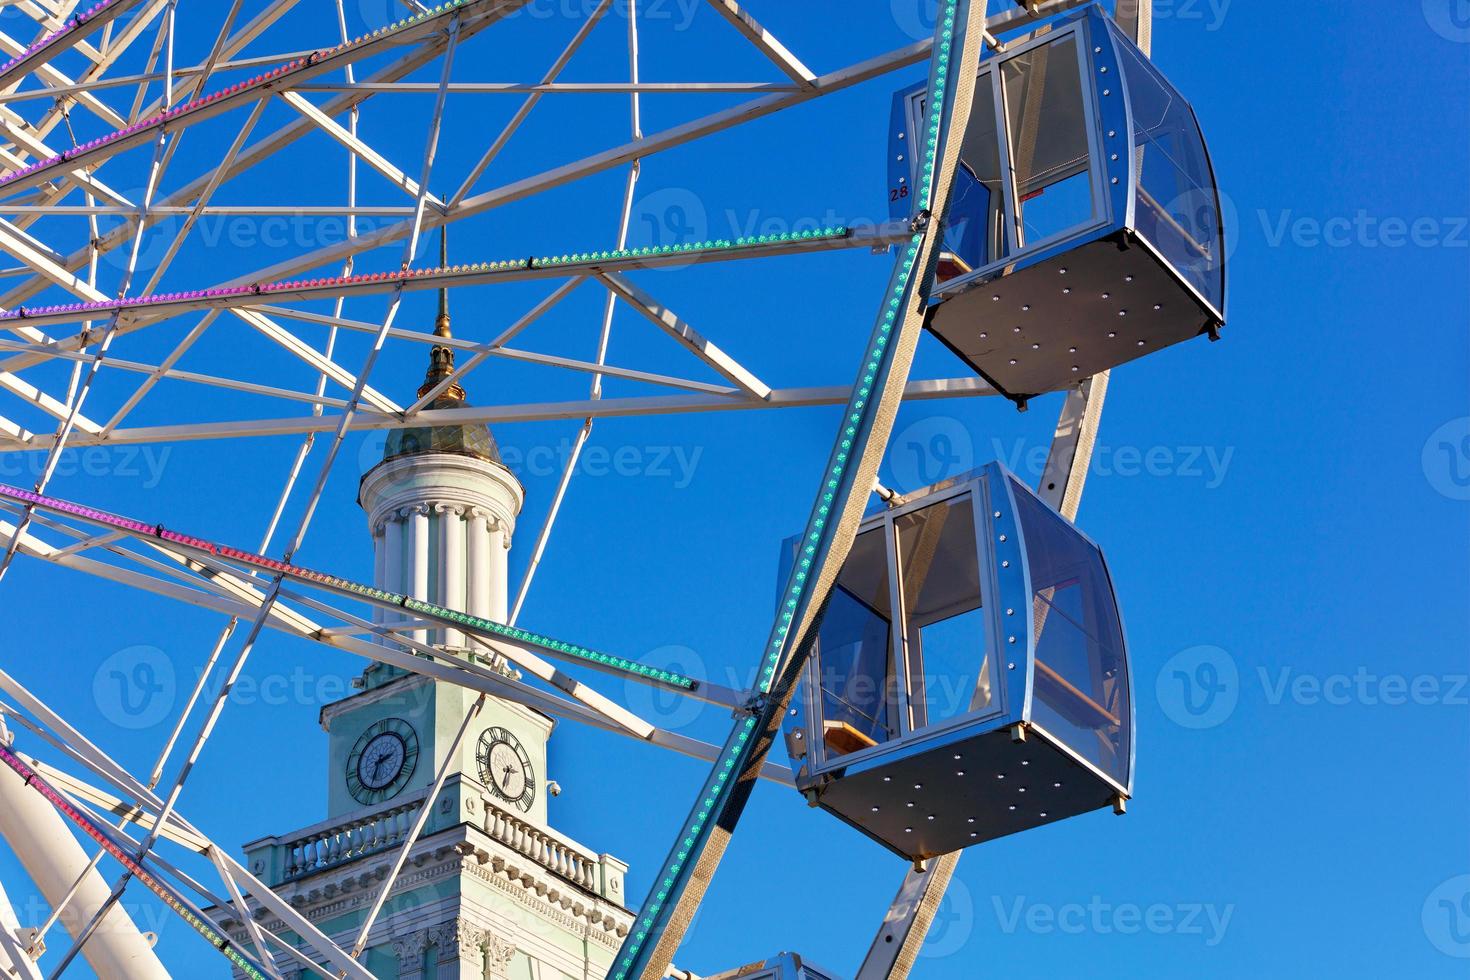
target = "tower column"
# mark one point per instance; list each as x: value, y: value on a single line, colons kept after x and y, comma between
x: 394, y: 529
x: 452, y: 564
x: 380, y: 563
x: 418, y: 543
x: 499, y: 573
x: 478, y: 533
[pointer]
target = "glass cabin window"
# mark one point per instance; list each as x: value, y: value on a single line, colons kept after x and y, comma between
x: 855, y: 656
x: 1177, y: 210
x: 976, y: 231
x: 944, y: 626
x: 977, y: 212
x: 1081, y: 687
x: 1049, y: 142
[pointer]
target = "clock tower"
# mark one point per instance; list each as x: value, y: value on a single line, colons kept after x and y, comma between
x: 490, y: 890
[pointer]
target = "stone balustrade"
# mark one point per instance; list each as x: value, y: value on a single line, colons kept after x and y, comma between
x: 329, y: 845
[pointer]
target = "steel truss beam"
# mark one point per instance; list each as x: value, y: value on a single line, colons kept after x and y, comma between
x: 969, y: 387
x: 219, y: 588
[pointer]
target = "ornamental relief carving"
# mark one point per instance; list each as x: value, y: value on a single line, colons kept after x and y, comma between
x: 459, y: 939
x: 410, y: 950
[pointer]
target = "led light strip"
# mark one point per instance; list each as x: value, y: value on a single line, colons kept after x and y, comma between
x: 314, y: 61
x: 440, y: 614
x: 430, y: 278
x: 154, y: 884
x: 91, y: 18
x: 653, y: 919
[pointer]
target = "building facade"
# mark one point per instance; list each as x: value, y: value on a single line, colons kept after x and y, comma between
x: 489, y: 890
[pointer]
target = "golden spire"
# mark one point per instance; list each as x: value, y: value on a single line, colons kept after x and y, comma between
x: 441, y: 358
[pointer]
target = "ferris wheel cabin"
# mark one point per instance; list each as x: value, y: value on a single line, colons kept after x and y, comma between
x: 970, y: 678
x: 783, y: 966
x: 1084, y: 227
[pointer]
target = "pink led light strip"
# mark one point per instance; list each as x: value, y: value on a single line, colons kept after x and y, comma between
x: 452, y: 618
x: 318, y: 62
x: 73, y: 30
x: 162, y: 304
x: 152, y: 882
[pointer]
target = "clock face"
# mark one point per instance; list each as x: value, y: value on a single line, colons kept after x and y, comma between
x: 505, y: 768
x: 382, y: 762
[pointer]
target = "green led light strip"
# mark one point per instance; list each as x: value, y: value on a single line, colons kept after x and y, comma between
x: 713, y: 245
x: 653, y: 918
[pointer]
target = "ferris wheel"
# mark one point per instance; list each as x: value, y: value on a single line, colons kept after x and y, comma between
x: 1052, y: 215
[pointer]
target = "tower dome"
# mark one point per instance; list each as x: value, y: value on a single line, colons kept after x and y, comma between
x: 442, y: 507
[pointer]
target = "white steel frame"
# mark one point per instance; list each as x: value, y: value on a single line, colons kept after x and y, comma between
x: 36, y: 100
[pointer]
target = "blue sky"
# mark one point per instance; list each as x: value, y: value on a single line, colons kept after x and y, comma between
x: 1285, y: 512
